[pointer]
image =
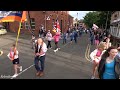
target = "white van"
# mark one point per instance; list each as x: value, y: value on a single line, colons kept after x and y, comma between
x: 2, y: 30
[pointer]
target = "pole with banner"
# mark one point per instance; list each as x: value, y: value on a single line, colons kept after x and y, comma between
x: 21, y: 21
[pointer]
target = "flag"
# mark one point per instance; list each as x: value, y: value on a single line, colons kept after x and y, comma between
x: 11, y: 16
x: 95, y: 26
x: 56, y: 27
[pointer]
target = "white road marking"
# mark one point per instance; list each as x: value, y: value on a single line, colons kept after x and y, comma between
x: 24, y: 70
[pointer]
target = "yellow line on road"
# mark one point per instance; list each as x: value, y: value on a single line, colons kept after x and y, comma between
x: 87, y: 53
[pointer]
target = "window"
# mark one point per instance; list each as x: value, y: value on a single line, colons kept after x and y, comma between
x: 26, y: 25
x: 32, y: 23
x: 21, y: 26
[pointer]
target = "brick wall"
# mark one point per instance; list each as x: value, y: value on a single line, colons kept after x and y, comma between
x: 39, y: 17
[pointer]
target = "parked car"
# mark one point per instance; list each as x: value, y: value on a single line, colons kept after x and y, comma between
x: 2, y: 30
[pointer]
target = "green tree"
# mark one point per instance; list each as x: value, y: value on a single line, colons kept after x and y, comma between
x: 100, y: 18
x: 105, y: 17
x: 90, y: 18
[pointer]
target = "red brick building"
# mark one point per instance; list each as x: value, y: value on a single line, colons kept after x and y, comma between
x: 38, y: 18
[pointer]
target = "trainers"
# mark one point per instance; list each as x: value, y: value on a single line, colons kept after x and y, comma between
x: 15, y: 75
x: 41, y: 74
x: 20, y: 68
x: 92, y: 77
x: 55, y: 50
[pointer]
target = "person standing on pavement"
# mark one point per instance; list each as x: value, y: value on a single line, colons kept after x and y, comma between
x: 92, y: 38
x: 41, y: 32
x: 109, y: 66
x: 96, y: 57
x: 39, y: 61
x: 108, y: 43
x: 97, y: 40
x: 13, y: 56
x: 49, y: 38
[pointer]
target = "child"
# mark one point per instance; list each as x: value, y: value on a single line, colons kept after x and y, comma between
x: 13, y: 56
x: 96, y: 57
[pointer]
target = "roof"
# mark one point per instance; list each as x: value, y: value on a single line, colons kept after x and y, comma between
x: 70, y: 16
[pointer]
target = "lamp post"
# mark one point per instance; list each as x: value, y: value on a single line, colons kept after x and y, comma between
x: 77, y: 21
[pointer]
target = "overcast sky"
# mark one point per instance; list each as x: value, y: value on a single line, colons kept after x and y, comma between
x: 81, y: 14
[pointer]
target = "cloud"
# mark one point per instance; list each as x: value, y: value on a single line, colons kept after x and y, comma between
x: 81, y: 14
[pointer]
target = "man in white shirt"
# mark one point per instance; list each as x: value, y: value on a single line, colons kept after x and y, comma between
x: 40, y: 50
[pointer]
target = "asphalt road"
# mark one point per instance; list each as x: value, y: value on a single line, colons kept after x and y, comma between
x: 68, y: 63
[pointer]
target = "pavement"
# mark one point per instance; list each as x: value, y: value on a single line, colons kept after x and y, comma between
x: 67, y: 63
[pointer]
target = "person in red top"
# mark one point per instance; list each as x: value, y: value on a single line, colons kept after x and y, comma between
x: 56, y: 38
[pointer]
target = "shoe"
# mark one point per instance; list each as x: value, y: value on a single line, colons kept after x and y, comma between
x: 41, y: 74
x: 38, y: 73
x: 20, y: 68
x: 55, y: 51
x: 15, y: 75
x: 92, y: 77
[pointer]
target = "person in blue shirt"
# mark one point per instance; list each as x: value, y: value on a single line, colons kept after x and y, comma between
x: 64, y: 37
x: 109, y: 66
x: 75, y: 36
x: 71, y: 36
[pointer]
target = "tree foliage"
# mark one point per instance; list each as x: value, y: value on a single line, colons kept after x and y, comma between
x: 99, y: 18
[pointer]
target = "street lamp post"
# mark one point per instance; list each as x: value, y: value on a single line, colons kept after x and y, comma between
x: 77, y: 21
